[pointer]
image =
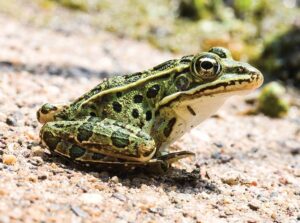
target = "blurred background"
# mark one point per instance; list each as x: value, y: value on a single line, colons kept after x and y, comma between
x: 264, y: 32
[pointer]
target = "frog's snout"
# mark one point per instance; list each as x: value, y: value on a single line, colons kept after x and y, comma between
x: 257, y: 76
x: 46, y: 113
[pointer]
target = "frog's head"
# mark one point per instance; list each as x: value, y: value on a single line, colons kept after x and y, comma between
x: 203, y: 82
x: 217, y: 71
x: 211, y: 74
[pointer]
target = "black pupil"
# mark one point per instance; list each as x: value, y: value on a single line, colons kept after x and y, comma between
x: 206, y: 65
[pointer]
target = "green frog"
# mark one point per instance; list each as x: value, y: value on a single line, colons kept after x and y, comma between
x: 131, y: 120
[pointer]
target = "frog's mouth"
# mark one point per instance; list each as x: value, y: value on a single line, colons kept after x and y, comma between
x: 228, y: 84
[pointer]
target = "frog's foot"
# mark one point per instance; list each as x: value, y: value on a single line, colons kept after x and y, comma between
x: 92, y: 139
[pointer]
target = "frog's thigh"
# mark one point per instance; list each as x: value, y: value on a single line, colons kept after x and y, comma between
x: 91, y: 136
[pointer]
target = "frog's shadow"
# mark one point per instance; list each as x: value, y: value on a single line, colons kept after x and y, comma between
x: 173, y: 179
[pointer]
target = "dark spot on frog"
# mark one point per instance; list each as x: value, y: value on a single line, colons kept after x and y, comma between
x: 138, y: 98
x: 59, y: 125
x: 98, y: 156
x: 93, y: 114
x: 191, y: 110
x: 76, y: 152
x: 186, y: 59
x: 104, y: 113
x: 119, y: 94
x: 117, y: 106
x: 133, y: 77
x: 120, y: 139
x: 135, y: 113
x: 148, y: 115
x: 165, y: 65
x: 169, y: 127
x: 142, y: 124
x: 153, y: 91
x: 85, y: 131
x: 50, y: 140
x: 96, y: 90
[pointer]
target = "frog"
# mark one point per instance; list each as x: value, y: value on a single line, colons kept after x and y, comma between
x: 131, y: 120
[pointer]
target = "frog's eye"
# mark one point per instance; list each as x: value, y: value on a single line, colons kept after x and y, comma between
x: 206, y: 67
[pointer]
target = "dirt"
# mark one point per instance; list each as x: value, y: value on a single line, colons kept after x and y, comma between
x: 246, y: 169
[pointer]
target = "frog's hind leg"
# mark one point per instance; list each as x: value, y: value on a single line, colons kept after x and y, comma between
x: 87, y: 140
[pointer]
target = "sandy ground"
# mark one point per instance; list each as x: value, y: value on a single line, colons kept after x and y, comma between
x: 246, y: 169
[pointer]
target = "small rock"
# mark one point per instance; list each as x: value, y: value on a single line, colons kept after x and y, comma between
x: 42, y: 177
x: 3, y: 192
x: 31, y: 135
x: 9, y: 159
x: 155, y: 210
x: 36, y: 161
x: 221, y: 157
x: 78, y: 211
x: 233, y: 180
x: 218, y: 144
x: 296, y: 172
x: 11, y: 121
x: 37, y: 151
x: 253, y: 206
x: 119, y: 196
x: 91, y: 198
x: 114, y: 179
x: 283, y: 180
x: 295, y: 151
x: 33, y: 179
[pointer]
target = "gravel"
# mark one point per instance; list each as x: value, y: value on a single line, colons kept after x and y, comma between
x: 247, y: 168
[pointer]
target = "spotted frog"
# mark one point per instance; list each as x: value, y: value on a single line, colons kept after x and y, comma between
x: 132, y: 119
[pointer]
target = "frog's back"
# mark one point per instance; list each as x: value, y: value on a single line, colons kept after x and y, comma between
x: 130, y: 98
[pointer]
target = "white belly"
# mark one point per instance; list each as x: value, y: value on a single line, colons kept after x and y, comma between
x: 203, y: 108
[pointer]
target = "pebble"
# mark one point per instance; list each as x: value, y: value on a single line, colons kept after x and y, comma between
x: 91, y: 198
x: 3, y: 192
x: 120, y: 197
x: 114, y: 179
x: 9, y: 159
x: 36, y: 161
x: 221, y: 157
x: 42, y: 177
x: 32, y: 178
x: 11, y: 121
x: 37, y: 151
x: 253, y: 206
x: 78, y: 211
x: 234, y: 178
x: 231, y: 180
x: 295, y: 151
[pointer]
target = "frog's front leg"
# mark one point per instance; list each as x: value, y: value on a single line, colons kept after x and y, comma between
x: 91, y: 139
